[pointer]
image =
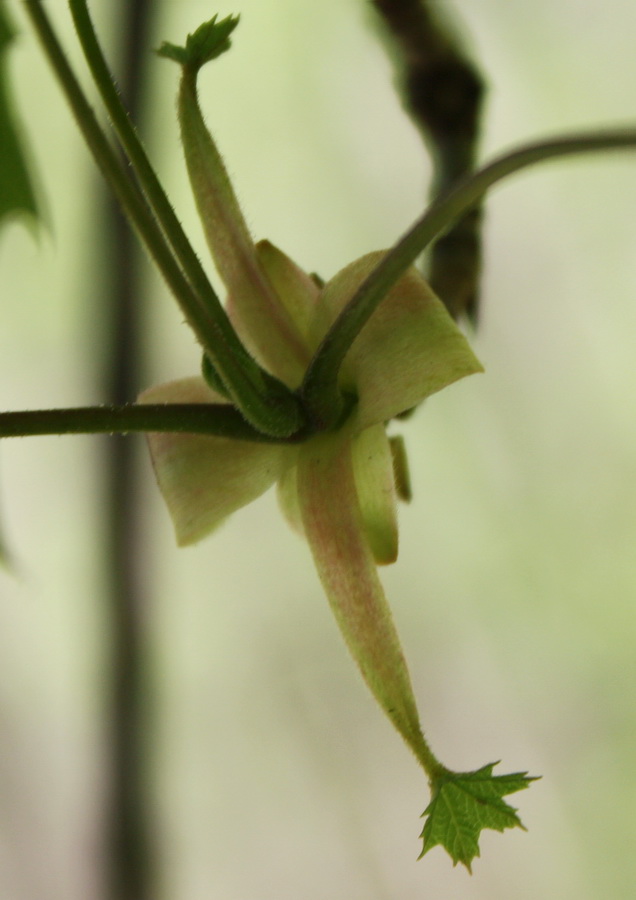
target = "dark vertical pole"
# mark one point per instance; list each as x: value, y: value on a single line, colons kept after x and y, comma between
x: 128, y: 839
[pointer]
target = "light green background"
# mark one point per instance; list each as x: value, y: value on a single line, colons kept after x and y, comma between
x: 273, y: 773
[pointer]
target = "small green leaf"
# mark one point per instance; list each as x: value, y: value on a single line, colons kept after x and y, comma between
x: 209, y: 41
x: 464, y: 803
x: 16, y: 189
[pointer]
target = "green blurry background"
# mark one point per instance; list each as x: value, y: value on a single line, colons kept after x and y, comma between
x: 273, y: 774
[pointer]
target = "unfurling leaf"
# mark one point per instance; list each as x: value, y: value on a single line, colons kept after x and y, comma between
x: 209, y: 41
x: 463, y: 804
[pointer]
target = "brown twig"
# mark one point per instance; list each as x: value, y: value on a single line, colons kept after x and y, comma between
x: 443, y: 93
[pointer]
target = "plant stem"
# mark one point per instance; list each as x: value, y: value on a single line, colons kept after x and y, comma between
x: 320, y: 392
x: 267, y: 405
x: 157, y: 198
x: 129, y: 838
x: 221, y: 420
x: 443, y: 93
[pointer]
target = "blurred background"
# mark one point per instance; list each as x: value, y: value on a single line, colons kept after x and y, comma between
x: 268, y: 770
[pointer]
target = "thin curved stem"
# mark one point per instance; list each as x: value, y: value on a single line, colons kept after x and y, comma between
x: 148, y: 179
x: 108, y: 161
x: 269, y: 407
x: 221, y: 420
x: 319, y: 391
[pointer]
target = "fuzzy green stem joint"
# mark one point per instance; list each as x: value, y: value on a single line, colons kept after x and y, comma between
x: 320, y: 390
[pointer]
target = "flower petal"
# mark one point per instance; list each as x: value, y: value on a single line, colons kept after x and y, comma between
x: 334, y: 529
x: 263, y: 323
x: 296, y: 290
x: 410, y: 347
x: 204, y: 479
x: 287, y: 492
x: 373, y: 468
x: 375, y: 485
x: 274, y: 322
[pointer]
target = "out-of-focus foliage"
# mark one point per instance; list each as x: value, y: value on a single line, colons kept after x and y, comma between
x: 16, y: 188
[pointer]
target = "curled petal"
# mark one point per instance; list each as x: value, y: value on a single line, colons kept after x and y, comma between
x: 205, y: 479
x: 334, y: 529
x: 410, y: 347
x: 375, y: 485
x: 262, y: 321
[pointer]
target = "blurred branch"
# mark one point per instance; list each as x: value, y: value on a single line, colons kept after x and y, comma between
x: 130, y: 871
x: 17, y: 194
x: 443, y: 94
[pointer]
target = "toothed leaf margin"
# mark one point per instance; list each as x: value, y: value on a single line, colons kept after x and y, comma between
x: 463, y: 804
x: 209, y: 41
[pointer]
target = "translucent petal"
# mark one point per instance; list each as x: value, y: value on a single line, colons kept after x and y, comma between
x: 410, y: 347
x: 287, y: 492
x: 272, y: 320
x: 334, y: 529
x: 293, y: 299
x: 296, y: 290
x: 262, y: 321
x: 204, y: 479
x: 375, y: 484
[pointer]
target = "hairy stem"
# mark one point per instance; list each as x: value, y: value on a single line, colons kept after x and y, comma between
x: 146, y: 175
x: 221, y: 420
x: 269, y: 407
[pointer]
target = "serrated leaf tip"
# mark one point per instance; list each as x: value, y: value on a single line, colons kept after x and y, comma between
x: 210, y: 40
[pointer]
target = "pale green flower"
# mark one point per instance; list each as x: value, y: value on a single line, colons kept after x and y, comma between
x: 336, y: 487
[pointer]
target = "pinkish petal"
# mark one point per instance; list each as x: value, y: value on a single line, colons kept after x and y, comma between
x: 375, y: 485
x: 334, y: 529
x: 287, y: 492
x: 410, y: 347
x: 204, y: 479
x: 273, y: 321
x: 296, y: 290
x: 261, y: 319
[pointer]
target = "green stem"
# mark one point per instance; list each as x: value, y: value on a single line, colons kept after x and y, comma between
x: 320, y: 392
x: 268, y: 406
x: 192, y: 418
x: 148, y: 179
